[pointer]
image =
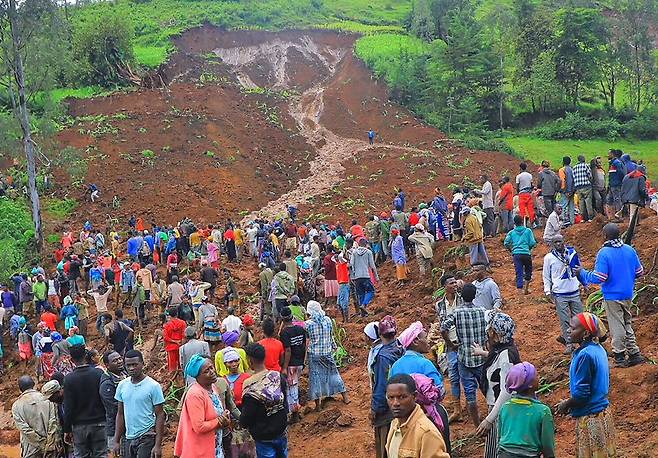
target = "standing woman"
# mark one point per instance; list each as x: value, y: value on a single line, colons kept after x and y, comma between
x: 61, y: 355
x: 399, y: 256
x: 202, y: 416
x: 229, y: 243
x: 589, y: 382
x: 324, y: 379
x: 242, y: 445
x: 45, y: 350
x: 500, y: 358
x: 210, y: 323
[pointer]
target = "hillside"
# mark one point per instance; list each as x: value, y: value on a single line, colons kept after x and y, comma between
x: 251, y: 120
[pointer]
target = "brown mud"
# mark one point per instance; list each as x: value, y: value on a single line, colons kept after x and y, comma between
x: 285, y: 117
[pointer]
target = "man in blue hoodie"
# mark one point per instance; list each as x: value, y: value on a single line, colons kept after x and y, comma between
x: 520, y: 241
x: 383, y: 354
x: 616, y: 268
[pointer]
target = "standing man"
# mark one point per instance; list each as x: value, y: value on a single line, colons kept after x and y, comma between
x: 488, y: 293
x: 562, y: 285
x: 474, y: 238
x: 567, y: 191
x: 582, y: 181
x: 109, y: 380
x: 616, y: 173
x: 520, y: 241
x: 633, y: 191
x: 191, y: 347
x: 84, y: 413
x: 172, y: 335
x: 471, y: 324
x: 488, y: 206
x: 524, y: 188
x: 553, y: 224
x: 40, y: 292
x: 549, y: 184
x: 293, y: 338
x: 382, y: 355
x: 410, y: 431
x: 423, y: 241
x: 143, y: 422
x: 362, y: 263
x: 506, y: 204
x: 616, y: 268
x: 371, y: 136
x: 265, y: 278
x: 37, y: 421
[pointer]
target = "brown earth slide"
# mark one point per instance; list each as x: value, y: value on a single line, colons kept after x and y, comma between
x: 251, y: 121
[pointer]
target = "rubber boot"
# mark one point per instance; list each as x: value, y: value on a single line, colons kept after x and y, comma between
x: 455, y: 410
x: 474, y: 414
x: 526, y: 285
x: 634, y: 360
x: 620, y: 359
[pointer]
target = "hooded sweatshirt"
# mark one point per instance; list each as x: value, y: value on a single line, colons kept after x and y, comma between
x: 549, y: 182
x: 634, y: 188
x: 521, y: 240
x: 362, y: 260
x: 285, y: 285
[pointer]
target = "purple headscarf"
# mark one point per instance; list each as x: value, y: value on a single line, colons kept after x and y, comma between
x: 427, y: 395
x: 230, y: 337
x: 520, y: 377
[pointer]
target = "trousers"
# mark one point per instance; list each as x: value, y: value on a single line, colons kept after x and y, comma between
x: 621, y: 329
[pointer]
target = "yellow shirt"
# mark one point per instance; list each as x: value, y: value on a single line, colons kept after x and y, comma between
x: 274, y: 239
x: 239, y: 237
x: 220, y: 366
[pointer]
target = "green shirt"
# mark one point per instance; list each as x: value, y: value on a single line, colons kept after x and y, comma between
x: 526, y: 428
x: 40, y: 290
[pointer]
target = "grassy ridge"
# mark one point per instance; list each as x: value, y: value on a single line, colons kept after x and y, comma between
x: 382, y: 52
x: 538, y: 149
x: 157, y: 21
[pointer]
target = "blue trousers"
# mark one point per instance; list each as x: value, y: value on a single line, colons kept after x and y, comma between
x: 275, y: 448
x: 522, y: 268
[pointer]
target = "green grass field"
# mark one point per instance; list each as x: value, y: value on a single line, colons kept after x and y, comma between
x: 537, y: 150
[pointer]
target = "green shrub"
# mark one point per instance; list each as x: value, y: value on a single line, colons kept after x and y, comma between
x: 16, y: 236
x: 576, y: 126
x: 644, y: 126
x: 61, y: 208
x: 488, y: 144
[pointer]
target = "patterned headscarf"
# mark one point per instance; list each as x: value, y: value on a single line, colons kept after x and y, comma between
x: 428, y: 395
x: 503, y: 325
x: 194, y: 365
x: 592, y: 324
x: 387, y: 325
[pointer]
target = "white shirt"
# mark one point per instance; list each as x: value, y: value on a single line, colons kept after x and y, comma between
x: 251, y: 233
x: 524, y: 181
x: 232, y: 323
x: 101, y: 299
x: 487, y: 195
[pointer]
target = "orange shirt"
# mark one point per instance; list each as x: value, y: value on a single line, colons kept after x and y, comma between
x: 50, y: 319
x: 273, y: 353
x: 342, y: 272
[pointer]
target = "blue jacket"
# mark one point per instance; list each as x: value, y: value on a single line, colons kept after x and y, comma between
x: 615, y: 270
x: 149, y: 240
x: 589, y: 379
x: 521, y: 240
x: 128, y: 280
x: 133, y: 245
x: 616, y: 172
x: 380, y: 360
x: 414, y: 363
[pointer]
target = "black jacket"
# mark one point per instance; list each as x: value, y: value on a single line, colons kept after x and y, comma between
x: 82, y: 399
x: 107, y: 390
x: 264, y: 427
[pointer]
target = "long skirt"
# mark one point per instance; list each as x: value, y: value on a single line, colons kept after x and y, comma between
x: 231, y: 253
x: 491, y: 442
x: 330, y: 288
x: 47, y: 368
x: 595, y: 436
x: 64, y: 365
x: 401, y: 271
x: 324, y: 379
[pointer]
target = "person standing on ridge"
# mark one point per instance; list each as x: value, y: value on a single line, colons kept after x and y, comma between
x: 371, y: 137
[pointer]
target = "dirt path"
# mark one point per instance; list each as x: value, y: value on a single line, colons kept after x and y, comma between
x: 326, y: 169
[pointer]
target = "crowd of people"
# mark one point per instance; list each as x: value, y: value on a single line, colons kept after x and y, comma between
x: 241, y: 393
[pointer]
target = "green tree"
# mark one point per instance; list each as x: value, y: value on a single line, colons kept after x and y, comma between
x: 422, y: 24
x: 580, y: 37
x: 102, y: 47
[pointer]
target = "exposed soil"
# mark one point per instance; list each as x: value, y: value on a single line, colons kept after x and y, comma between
x: 303, y: 141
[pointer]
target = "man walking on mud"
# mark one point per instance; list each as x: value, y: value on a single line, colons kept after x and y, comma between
x: 371, y: 137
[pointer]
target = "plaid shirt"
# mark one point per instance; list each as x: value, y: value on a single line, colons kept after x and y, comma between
x: 582, y: 175
x: 321, y: 337
x: 471, y: 325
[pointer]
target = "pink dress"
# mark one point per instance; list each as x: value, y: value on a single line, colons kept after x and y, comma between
x: 213, y: 253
